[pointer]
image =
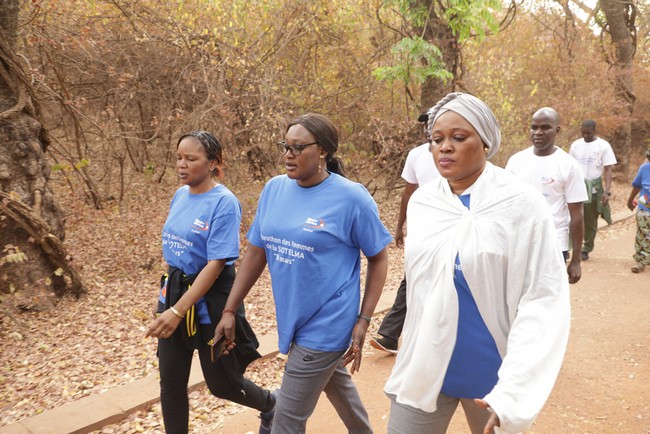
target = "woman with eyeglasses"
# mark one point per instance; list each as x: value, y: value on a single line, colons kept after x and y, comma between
x: 310, y: 227
x: 200, y: 242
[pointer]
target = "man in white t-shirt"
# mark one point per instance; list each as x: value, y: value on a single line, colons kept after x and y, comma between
x: 559, y: 178
x: 418, y: 170
x: 596, y: 159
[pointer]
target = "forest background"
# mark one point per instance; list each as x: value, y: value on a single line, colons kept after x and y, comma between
x: 111, y: 84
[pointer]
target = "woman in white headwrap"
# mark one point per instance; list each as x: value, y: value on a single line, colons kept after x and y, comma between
x: 488, y: 299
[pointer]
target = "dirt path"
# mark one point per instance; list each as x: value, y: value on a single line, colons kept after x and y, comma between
x: 604, y: 385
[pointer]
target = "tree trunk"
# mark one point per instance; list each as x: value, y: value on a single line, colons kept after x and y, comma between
x: 620, y: 17
x: 438, y: 33
x: 32, y: 259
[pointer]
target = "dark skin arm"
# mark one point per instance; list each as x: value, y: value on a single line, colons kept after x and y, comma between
x: 375, y: 279
x: 165, y: 324
x: 607, y: 175
x: 576, y: 212
x: 249, y: 271
x: 630, y: 200
x: 401, y: 219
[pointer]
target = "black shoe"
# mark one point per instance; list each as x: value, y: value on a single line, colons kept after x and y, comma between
x: 384, y: 344
x: 585, y: 256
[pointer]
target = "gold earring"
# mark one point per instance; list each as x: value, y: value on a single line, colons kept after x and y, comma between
x: 320, y: 163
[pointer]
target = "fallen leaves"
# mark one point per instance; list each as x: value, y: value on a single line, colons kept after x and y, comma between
x: 87, y: 346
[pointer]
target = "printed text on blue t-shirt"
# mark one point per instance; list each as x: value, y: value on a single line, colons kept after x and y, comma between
x: 286, y: 251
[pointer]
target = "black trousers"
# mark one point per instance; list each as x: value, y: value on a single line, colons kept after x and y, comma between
x: 175, y: 361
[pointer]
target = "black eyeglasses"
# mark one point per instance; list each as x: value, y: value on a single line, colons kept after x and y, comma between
x: 294, y: 149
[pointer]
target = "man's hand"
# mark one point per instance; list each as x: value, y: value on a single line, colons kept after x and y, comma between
x: 605, y: 198
x: 574, y: 271
x: 399, y: 237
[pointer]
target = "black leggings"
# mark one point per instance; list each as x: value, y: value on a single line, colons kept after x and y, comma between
x: 175, y: 360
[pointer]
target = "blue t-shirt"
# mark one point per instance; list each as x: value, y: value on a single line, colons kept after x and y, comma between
x: 312, y: 238
x: 642, y: 181
x: 475, y: 361
x: 200, y: 228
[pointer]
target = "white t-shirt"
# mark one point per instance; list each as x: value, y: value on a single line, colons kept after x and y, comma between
x: 558, y: 177
x: 420, y: 167
x: 592, y: 156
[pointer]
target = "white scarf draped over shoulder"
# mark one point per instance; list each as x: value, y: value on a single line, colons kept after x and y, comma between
x: 513, y: 265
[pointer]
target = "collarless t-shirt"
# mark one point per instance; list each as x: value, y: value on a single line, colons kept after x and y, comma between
x: 312, y: 238
x: 558, y: 177
x: 199, y: 228
x: 473, y: 368
x: 592, y: 156
x: 419, y: 167
x: 642, y: 182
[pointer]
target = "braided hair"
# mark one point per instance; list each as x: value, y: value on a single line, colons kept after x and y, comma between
x: 210, y: 144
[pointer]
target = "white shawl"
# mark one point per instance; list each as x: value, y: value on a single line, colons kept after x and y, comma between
x: 513, y: 265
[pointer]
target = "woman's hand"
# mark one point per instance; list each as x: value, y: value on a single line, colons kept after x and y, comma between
x: 354, y: 353
x: 493, y: 420
x: 631, y: 204
x: 163, y: 326
x: 226, y: 327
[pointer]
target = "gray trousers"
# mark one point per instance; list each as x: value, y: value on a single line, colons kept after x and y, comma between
x: 392, y: 324
x: 307, y: 373
x: 405, y: 419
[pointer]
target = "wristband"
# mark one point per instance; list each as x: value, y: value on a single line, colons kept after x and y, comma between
x: 175, y: 312
x: 228, y: 311
x: 362, y: 316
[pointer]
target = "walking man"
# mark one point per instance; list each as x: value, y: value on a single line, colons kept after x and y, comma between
x: 596, y: 159
x: 559, y: 178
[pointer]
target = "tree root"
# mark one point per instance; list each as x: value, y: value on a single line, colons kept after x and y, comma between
x: 50, y: 244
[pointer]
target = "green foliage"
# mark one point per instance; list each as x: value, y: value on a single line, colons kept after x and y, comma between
x: 414, y: 11
x: 467, y: 18
x: 415, y: 59
x: 418, y: 60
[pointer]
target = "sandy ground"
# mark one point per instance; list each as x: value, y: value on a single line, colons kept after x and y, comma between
x: 604, y: 384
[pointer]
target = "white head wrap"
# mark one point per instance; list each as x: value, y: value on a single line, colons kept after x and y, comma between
x: 475, y: 111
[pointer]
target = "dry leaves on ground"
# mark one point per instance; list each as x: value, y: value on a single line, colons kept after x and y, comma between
x: 97, y: 343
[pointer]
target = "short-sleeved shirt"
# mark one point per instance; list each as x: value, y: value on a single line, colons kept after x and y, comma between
x: 420, y: 167
x: 642, y: 182
x: 558, y: 177
x: 592, y: 157
x: 200, y: 228
x: 474, y: 365
x: 312, y: 238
